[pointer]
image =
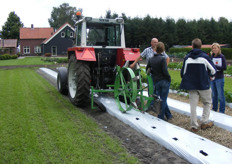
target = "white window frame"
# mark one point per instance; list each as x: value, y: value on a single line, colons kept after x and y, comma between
x: 62, y: 34
x: 37, y: 49
x: 26, y: 49
x: 52, y: 52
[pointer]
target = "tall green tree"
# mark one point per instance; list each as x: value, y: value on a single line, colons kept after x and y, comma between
x: 62, y: 14
x: 181, y: 29
x: 10, y: 30
x: 224, y: 30
x: 169, y: 36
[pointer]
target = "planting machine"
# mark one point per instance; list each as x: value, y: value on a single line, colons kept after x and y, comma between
x: 99, y: 63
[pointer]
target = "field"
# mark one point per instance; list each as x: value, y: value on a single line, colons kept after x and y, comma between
x: 37, y: 125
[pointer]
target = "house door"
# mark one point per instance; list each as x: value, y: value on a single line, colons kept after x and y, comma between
x: 54, y: 51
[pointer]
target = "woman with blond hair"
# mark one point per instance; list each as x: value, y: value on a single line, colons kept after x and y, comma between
x: 217, y: 85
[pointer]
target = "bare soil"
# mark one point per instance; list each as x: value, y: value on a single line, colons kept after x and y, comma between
x: 215, y: 133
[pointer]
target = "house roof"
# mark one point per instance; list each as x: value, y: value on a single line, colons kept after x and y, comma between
x: 58, y: 31
x: 36, y: 33
x: 8, y: 43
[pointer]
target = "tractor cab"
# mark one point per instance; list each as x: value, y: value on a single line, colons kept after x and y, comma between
x: 99, y: 32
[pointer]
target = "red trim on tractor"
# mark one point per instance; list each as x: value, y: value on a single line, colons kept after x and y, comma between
x: 125, y: 54
x: 81, y: 53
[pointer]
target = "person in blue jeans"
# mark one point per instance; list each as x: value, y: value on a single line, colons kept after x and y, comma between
x: 217, y: 85
x: 149, y: 53
x: 161, y: 79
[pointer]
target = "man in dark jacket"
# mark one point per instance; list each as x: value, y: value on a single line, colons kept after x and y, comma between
x: 196, y: 73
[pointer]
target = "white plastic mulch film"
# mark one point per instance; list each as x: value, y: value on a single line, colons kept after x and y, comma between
x: 187, y: 145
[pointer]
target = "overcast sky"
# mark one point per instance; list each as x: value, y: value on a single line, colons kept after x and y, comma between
x: 37, y: 12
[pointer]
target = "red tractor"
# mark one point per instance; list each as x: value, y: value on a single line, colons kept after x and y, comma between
x: 99, y: 62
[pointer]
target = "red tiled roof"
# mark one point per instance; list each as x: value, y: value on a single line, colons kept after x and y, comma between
x: 7, y: 43
x: 36, y: 33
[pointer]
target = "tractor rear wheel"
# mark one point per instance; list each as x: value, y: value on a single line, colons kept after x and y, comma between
x: 78, y: 82
x: 62, y: 80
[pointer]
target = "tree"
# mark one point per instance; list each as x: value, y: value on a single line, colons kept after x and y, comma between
x: 10, y: 30
x: 169, y: 36
x: 62, y: 14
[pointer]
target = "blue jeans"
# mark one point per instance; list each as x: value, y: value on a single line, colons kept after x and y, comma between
x: 162, y: 90
x: 217, y: 87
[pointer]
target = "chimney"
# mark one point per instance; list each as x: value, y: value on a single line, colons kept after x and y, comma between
x: 32, y: 26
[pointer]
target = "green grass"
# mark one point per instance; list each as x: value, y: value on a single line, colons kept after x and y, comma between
x: 24, y: 61
x: 175, y: 75
x: 37, y: 125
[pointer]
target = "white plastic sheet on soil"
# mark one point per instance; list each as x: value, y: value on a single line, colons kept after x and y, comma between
x: 187, y: 145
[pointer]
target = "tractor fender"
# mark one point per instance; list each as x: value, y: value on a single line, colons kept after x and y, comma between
x: 127, y: 54
x: 83, y: 53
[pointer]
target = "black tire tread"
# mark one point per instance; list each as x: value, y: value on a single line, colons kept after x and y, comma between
x: 82, y: 82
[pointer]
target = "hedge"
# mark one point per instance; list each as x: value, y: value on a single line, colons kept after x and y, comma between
x: 7, y: 56
x: 227, y: 52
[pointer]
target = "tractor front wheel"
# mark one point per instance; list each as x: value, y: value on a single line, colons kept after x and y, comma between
x: 78, y: 82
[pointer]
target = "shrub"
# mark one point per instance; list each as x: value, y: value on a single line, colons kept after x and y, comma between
x: 228, y: 96
x: 175, y: 65
x: 228, y: 70
x: 225, y: 51
x: 7, y: 57
x: 57, y: 60
x: 47, y: 54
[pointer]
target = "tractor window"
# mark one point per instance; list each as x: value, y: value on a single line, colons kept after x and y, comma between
x: 103, y: 34
x: 78, y: 34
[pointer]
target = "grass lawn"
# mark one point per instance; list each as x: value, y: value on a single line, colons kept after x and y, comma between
x: 175, y: 75
x: 24, y: 61
x: 37, y: 125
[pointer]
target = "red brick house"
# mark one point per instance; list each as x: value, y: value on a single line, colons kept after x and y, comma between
x: 31, y: 39
x: 8, y: 46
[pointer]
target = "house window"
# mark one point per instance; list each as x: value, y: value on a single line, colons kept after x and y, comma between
x: 26, y: 50
x: 62, y: 34
x: 37, y: 49
x: 54, y: 50
x: 71, y: 34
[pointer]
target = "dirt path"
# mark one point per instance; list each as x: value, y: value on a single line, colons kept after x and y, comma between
x: 147, y: 150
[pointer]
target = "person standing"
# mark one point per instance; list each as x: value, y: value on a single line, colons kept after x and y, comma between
x: 149, y: 53
x: 217, y: 85
x: 196, y: 73
x: 161, y: 79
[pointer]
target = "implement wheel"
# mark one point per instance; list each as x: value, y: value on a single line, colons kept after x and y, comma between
x: 78, y: 82
x: 125, y: 88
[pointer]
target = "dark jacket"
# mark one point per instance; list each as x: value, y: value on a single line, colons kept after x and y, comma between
x: 159, y: 68
x: 196, y: 71
x: 220, y: 64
